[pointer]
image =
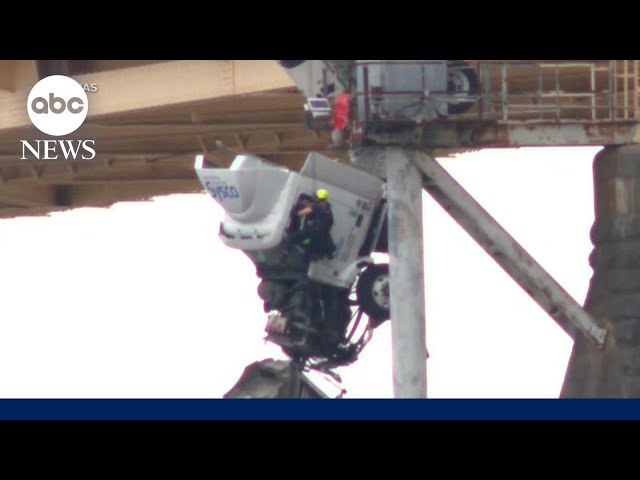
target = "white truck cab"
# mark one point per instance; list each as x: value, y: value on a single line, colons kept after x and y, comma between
x: 258, y: 198
x: 260, y: 201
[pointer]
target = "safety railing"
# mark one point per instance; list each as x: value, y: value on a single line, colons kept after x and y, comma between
x: 626, y: 98
x: 503, y: 91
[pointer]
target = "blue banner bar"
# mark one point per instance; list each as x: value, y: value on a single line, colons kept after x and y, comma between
x: 318, y: 409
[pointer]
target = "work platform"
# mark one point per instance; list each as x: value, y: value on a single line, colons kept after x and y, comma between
x: 497, y: 103
x: 149, y: 119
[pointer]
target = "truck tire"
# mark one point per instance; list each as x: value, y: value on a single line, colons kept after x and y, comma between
x: 372, y: 292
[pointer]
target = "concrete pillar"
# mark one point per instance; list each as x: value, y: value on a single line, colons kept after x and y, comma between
x: 406, y: 265
x: 614, y: 291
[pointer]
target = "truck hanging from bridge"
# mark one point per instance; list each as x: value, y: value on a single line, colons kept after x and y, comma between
x: 315, y: 307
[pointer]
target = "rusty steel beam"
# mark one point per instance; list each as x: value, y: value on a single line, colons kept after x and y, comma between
x: 506, y: 251
x: 492, y: 134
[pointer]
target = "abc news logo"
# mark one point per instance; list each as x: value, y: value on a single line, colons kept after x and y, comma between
x: 58, y: 105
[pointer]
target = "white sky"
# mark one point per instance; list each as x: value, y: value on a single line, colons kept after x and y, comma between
x: 142, y: 300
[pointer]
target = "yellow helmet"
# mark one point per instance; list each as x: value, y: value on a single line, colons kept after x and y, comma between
x: 322, y: 194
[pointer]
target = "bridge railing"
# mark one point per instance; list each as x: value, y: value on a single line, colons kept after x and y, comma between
x: 516, y: 91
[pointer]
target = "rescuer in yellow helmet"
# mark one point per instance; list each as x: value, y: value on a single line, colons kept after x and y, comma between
x: 322, y: 194
x: 315, y: 236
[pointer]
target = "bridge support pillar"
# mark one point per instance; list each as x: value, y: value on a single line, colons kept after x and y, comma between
x: 406, y: 270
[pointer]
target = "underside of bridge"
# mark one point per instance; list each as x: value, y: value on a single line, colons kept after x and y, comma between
x: 148, y: 119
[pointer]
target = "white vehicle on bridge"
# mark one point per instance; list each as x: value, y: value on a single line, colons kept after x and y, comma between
x: 315, y: 307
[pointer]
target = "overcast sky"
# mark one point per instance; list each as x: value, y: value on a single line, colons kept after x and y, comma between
x: 142, y: 300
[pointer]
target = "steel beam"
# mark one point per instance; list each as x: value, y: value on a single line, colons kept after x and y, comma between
x: 406, y: 265
x: 35, y: 196
x: 145, y: 87
x: 491, y: 134
x: 506, y: 251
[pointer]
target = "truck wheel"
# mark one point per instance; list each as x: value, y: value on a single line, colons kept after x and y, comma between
x: 373, y: 293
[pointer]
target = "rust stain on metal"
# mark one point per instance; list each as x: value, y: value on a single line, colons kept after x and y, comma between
x: 491, y: 134
x: 615, y: 133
